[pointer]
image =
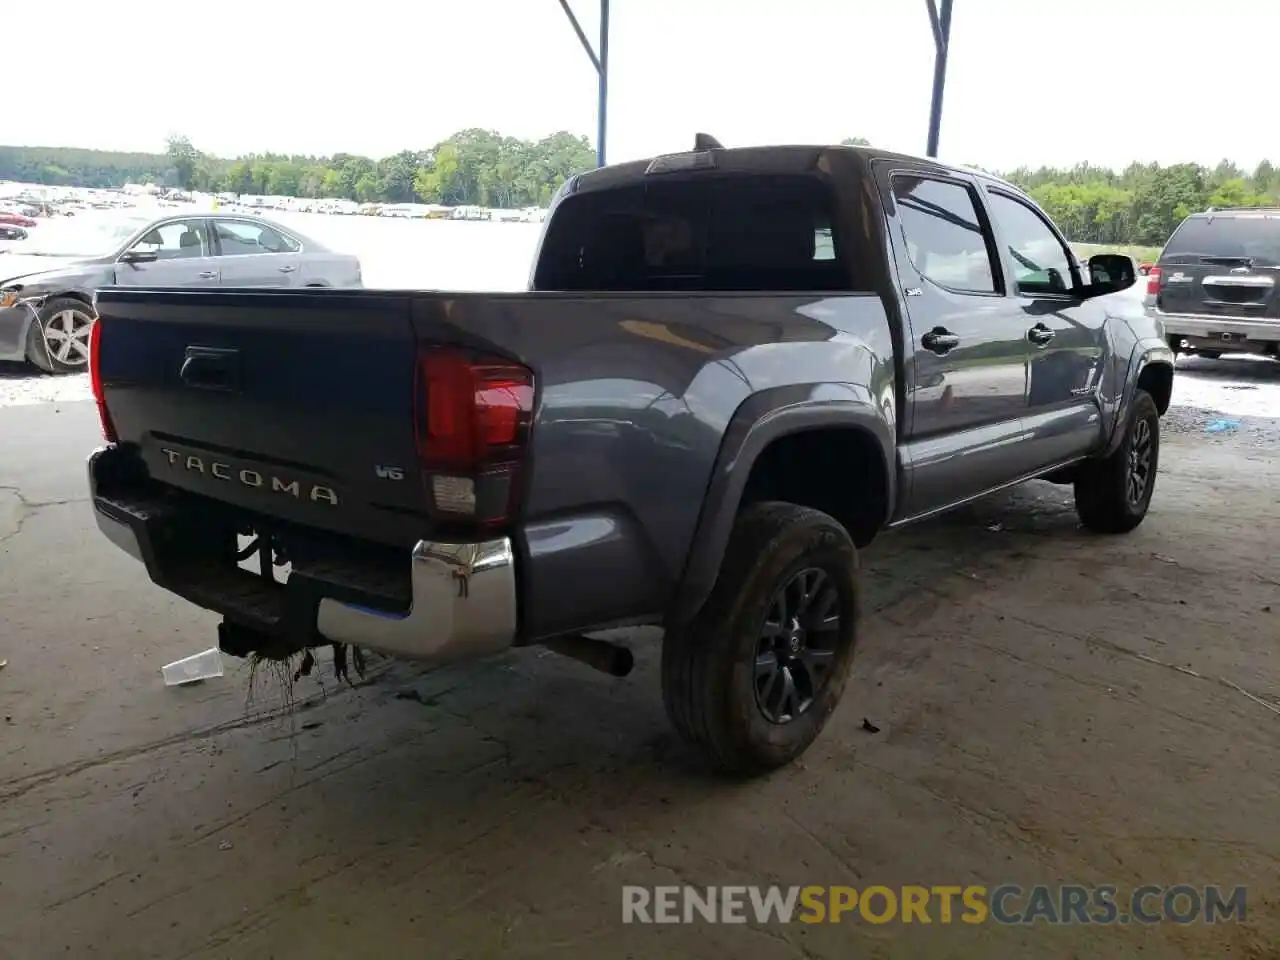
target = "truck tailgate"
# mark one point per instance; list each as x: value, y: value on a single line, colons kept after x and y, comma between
x: 294, y: 404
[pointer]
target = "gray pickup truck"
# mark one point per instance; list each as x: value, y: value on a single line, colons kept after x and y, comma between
x: 734, y: 367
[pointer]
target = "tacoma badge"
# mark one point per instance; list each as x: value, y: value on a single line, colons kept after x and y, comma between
x: 250, y: 478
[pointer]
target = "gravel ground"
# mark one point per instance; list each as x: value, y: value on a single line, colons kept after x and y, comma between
x: 1047, y: 707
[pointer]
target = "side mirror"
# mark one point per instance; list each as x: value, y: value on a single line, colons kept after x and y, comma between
x: 1111, y: 272
x: 140, y: 256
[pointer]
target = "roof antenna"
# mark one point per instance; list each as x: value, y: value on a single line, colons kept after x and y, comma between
x: 705, y: 141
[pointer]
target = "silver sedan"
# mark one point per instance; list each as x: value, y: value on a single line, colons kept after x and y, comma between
x: 47, y: 281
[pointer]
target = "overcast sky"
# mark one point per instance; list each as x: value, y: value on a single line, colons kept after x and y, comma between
x: 1031, y: 81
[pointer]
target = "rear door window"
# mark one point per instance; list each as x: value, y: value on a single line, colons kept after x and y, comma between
x: 704, y: 232
x: 1238, y: 236
x: 240, y: 238
x: 945, y: 237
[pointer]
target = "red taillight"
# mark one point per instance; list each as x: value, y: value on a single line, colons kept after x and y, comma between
x: 1153, y: 281
x: 473, y: 416
x: 95, y: 381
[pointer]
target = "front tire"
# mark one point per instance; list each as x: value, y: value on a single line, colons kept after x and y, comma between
x: 58, y: 339
x: 753, y: 678
x: 1113, y: 495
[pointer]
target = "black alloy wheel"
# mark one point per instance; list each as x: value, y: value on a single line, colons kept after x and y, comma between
x: 797, y: 645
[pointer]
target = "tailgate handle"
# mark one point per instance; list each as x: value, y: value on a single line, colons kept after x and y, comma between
x: 211, y: 368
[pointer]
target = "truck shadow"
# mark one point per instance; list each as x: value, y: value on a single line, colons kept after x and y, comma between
x: 967, y: 540
x: 1250, y: 369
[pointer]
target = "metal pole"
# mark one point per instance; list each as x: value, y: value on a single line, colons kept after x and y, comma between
x: 941, y: 21
x: 582, y: 37
x: 602, y: 68
x: 601, y: 64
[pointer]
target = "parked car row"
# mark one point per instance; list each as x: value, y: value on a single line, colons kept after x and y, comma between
x: 47, y: 285
x: 15, y: 218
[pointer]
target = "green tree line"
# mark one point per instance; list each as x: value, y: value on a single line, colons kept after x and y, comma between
x: 1140, y: 204
x: 471, y: 167
x: 1143, y: 203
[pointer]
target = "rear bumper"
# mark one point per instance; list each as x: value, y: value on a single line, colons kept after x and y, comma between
x: 1212, y: 328
x: 462, y: 604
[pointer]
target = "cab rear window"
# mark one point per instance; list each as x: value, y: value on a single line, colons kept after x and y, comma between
x: 707, y: 231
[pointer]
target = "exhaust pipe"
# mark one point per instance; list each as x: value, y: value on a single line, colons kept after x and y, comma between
x: 611, y: 658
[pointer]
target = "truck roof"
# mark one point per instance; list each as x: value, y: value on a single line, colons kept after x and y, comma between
x: 793, y: 158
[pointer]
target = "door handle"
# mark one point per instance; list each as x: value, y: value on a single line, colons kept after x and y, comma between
x: 940, y: 340
x: 211, y: 368
x: 1040, y: 334
x: 209, y: 275
x: 287, y: 269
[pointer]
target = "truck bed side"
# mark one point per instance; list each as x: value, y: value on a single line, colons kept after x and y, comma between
x: 638, y: 413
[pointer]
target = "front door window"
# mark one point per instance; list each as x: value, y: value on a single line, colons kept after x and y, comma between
x: 178, y: 240
x: 1041, y: 264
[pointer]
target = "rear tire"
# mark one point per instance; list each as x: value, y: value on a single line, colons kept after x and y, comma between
x: 58, y: 339
x: 753, y: 678
x: 1113, y: 495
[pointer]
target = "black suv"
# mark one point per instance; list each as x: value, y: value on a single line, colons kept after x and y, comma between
x: 1214, y: 286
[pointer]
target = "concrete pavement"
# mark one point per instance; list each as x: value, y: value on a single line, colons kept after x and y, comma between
x: 1034, y: 719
